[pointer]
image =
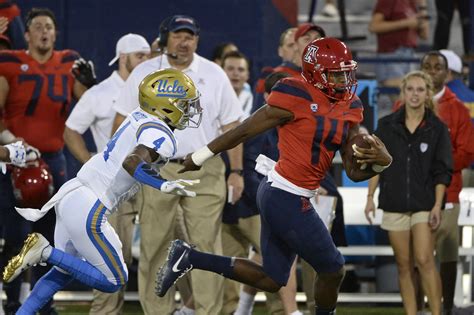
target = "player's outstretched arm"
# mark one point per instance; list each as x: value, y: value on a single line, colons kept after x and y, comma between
x: 363, y: 163
x: 138, y: 165
x: 265, y: 118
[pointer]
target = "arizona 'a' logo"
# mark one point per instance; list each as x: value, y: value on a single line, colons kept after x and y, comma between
x: 310, y: 55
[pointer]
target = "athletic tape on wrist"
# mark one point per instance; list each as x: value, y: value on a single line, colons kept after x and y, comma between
x: 202, y: 155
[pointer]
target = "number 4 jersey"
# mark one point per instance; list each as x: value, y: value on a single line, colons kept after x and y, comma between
x: 39, y: 96
x: 104, y: 173
x: 308, y: 144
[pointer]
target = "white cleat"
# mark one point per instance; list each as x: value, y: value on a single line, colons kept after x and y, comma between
x: 30, y: 255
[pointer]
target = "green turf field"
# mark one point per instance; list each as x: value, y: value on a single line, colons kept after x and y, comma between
x: 134, y: 309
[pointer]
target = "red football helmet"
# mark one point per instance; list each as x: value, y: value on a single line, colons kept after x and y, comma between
x: 328, y: 65
x: 33, y: 184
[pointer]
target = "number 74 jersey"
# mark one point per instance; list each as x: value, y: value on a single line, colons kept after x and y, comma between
x: 39, y: 96
x: 308, y: 144
x: 104, y: 173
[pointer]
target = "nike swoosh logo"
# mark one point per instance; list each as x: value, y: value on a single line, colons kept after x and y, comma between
x: 175, y: 266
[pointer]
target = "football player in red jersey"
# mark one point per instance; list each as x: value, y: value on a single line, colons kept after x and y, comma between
x: 36, y: 88
x: 315, y: 116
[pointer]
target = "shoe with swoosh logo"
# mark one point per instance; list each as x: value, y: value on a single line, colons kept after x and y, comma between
x: 177, y: 265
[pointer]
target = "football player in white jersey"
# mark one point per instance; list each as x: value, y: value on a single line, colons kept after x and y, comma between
x: 86, y: 246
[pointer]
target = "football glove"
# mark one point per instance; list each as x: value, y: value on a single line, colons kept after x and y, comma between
x: 84, y: 72
x: 17, y: 155
x: 32, y: 153
x: 178, y: 187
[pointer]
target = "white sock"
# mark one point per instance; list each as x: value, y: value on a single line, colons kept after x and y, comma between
x: 297, y: 312
x: 46, y: 253
x: 246, y: 302
x: 187, y: 311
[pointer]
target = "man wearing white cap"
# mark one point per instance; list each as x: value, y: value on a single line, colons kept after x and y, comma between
x: 455, y: 82
x: 94, y: 110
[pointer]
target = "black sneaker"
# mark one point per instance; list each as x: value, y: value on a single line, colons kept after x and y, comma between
x: 177, y: 265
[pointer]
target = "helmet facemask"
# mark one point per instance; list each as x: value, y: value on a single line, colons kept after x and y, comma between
x: 340, y: 83
x: 191, y: 113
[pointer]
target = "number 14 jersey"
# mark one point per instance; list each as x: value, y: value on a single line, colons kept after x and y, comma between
x: 39, y: 96
x: 308, y: 144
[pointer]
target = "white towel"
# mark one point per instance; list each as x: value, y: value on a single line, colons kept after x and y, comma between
x: 36, y: 214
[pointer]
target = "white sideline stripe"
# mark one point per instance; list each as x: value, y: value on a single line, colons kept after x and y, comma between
x: 86, y: 296
x: 377, y: 250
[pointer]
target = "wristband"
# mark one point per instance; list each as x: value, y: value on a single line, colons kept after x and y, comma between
x: 379, y: 168
x: 6, y: 136
x: 202, y: 155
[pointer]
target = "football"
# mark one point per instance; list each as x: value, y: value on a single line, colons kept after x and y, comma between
x: 360, y: 142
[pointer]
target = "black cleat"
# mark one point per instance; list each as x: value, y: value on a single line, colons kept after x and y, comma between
x: 177, y: 265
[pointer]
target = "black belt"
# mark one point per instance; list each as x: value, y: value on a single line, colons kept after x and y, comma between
x: 178, y: 161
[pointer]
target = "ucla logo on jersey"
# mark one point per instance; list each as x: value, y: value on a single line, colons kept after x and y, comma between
x: 310, y: 56
x: 138, y: 116
x: 170, y: 89
x: 314, y: 107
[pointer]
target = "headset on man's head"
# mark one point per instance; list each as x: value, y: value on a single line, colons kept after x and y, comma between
x: 165, y: 30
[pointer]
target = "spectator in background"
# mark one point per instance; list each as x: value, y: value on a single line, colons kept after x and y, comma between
x: 398, y: 24
x: 287, y: 53
x: 454, y: 80
x: 413, y: 187
x: 11, y: 24
x: 330, y: 9
x: 456, y: 116
x: 221, y: 50
x: 179, y: 35
x: 237, y: 67
x: 35, y: 98
x: 444, y: 12
x: 306, y: 33
x: 94, y: 110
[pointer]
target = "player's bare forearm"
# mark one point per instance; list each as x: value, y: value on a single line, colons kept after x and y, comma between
x: 140, y: 154
x: 76, y: 145
x: 235, y: 154
x: 265, y: 118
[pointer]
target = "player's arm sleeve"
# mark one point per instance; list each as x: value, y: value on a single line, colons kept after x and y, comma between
x: 128, y: 98
x: 157, y: 137
x: 82, y: 116
x: 289, y: 94
x: 356, y: 111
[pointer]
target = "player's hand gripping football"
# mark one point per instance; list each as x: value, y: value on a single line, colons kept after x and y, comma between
x: 178, y: 187
x: 376, y: 154
x: 84, y: 72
